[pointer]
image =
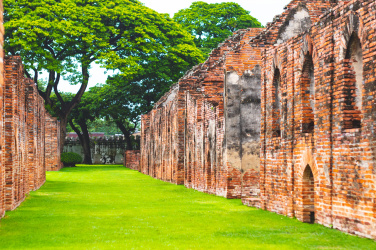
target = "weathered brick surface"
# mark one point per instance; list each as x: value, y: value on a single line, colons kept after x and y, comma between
x: 52, y: 142
x: 318, y: 144
x: 25, y: 130
x: 29, y: 136
x: 183, y: 137
x: 312, y: 153
x: 2, y: 168
x: 132, y: 159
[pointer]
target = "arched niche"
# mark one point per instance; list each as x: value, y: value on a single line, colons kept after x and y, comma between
x: 276, y: 119
x: 307, y: 84
x: 308, y: 195
x: 353, y: 63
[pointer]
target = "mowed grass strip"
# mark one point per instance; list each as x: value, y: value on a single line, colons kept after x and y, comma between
x: 111, y: 207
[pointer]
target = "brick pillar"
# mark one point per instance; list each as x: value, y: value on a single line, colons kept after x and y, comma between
x: 2, y: 169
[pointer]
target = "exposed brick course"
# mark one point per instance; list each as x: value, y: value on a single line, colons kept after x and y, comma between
x: 30, y: 136
x: 132, y: 159
x: 183, y: 136
x: 281, y: 117
x: 2, y: 168
x: 320, y: 167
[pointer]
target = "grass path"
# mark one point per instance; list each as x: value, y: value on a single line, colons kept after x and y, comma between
x: 111, y: 207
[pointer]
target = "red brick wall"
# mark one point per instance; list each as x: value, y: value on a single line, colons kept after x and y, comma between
x: 30, y: 136
x: 2, y: 168
x: 317, y: 141
x: 132, y: 159
x: 182, y: 138
x: 52, y: 144
x: 339, y: 154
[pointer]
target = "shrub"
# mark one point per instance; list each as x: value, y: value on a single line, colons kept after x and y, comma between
x: 70, y: 159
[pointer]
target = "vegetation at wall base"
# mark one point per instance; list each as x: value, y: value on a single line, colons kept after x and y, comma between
x: 70, y: 159
x: 111, y: 207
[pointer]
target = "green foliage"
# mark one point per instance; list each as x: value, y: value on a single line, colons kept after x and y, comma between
x: 211, y: 24
x: 70, y: 159
x: 111, y: 207
x: 121, y: 34
x: 65, y: 37
x: 102, y: 125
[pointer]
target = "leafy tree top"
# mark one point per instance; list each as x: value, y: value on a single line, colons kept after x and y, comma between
x: 63, y: 37
x: 210, y: 24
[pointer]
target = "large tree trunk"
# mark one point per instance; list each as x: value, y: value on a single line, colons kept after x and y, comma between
x: 127, y: 134
x: 66, y: 108
x: 86, y: 143
x: 84, y: 139
x: 63, y: 131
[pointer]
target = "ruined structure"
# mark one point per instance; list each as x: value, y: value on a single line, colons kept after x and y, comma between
x: 318, y: 115
x: 185, y: 139
x: 28, y: 134
x: 282, y: 117
x: 132, y: 159
x: 104, y: 150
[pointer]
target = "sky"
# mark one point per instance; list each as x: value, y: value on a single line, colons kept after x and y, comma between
x: 263, y: 10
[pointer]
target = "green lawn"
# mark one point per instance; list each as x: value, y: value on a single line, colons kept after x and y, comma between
x: 111, y: 207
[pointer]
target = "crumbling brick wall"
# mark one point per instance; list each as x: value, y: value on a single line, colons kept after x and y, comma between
x: 29, y: 136
x: 318, y: 114
x: 315, y: 68
x: 160, y: 135
x: 2, y: 169
x: 183, y: 137
x: 52, y: 143
x: 132, y: 159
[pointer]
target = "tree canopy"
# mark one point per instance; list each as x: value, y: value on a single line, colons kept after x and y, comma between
x: 210, y: 24
x: 65, y: 37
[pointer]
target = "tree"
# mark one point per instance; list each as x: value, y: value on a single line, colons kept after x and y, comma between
x: 211, y: 24
x: 65, y: 37
x: 81, y: 115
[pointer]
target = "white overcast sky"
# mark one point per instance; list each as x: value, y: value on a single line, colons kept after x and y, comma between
x: 263, y: 10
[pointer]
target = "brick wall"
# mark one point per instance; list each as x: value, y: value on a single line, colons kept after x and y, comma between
x: 183, y: 137
x: 29, y: 136
x: 132, y: 159
x: 52, y: 144
x: 2, y: 168
x: 311, y: 154
x: 318, y: 144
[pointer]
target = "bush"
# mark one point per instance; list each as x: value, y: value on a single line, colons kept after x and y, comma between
x: 70, y: 159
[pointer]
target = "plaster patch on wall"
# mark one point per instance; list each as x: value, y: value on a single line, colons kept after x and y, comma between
x: 233, y: 158
x: 326, y: 172
x: 251, y: 156
x: 298, y: 23
x: 232, y: 78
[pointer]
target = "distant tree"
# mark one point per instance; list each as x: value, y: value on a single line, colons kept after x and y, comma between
x: 85, y: 112
x: 65, y: 37
x: 108, y: 127
x: 211, y: 24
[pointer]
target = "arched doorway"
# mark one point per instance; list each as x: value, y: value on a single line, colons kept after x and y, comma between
x: 308, y: 195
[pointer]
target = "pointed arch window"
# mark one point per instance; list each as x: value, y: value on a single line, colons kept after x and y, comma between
x: 353, y: 68
x: 276, y: 126
x: 308, y: 96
